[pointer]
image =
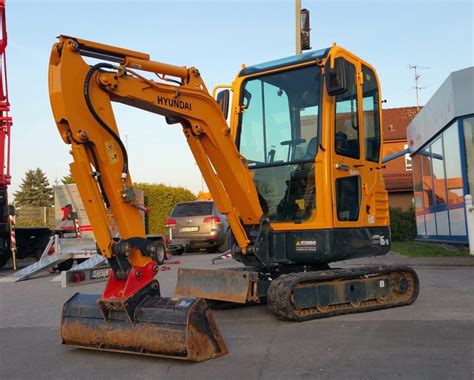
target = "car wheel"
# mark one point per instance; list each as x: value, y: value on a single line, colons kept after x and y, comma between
x: 158, y: 256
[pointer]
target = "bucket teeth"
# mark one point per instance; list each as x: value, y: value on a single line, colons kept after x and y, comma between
x: 178, y: 328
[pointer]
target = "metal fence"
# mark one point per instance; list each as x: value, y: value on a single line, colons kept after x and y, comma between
x: 32, y: 216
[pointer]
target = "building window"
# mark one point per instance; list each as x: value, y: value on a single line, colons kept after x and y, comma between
x: 438, y: 182
x: 469, y: 148
x: 408, y: 163
x: 417, y: 182
x: 439, y: 179
x: 452, y: 159
x: 427, y: 177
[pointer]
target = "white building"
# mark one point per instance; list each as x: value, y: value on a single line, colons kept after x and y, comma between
x: 441, y: 140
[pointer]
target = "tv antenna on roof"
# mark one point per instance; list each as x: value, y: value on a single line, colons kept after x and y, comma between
x: 417, y: 77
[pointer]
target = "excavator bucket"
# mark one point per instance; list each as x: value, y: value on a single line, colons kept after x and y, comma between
x: 177, y: 328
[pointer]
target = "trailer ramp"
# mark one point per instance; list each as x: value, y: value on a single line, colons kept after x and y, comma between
x: 64, y: 249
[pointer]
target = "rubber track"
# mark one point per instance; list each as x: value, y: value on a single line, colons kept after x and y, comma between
x: 280, y: 292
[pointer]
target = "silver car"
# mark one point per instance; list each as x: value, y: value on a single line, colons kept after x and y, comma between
x: 197, y: 225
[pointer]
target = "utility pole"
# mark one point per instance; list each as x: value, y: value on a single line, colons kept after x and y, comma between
x: 298, y: 26
x: 302, y: 28
x: 417, y: 76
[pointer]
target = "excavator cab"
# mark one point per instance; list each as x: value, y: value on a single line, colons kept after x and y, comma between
x: 308, y: 127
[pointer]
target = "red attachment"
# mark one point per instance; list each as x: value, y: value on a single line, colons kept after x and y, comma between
x: 170, y: 223
x: 173, y: 262
x: 50, y: 251
x: 165, y: 267
x: 138, y: 278
x: 212, y: 219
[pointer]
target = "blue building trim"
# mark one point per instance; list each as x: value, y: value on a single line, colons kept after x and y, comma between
x: 443, y: 239
x: 438, y: 208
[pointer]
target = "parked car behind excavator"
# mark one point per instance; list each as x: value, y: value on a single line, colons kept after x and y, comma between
x: 195, y: 225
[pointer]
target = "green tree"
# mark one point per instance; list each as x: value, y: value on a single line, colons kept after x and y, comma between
x: 68, y: 179
x: 35, y: 190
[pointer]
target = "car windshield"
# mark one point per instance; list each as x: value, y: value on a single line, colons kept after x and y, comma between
x: 192, y: 209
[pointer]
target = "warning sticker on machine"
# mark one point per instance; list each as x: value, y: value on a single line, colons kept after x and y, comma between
x: 305, y: 245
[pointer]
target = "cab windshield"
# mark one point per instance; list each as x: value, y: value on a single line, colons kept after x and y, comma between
x: 278, y: 136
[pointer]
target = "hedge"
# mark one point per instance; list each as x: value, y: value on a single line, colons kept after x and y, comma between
x: 161, y: 200
x: 402, y: 224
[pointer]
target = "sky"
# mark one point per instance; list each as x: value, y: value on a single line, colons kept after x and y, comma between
x: 217, y: 37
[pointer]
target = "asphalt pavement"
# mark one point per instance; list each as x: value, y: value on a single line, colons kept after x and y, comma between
x: 433, y: 338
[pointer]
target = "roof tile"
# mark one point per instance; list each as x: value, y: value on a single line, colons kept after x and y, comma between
x: 398, y: 181
x: 396, y: 120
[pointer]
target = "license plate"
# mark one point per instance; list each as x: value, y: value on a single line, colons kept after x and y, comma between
x: 99, y: 273
x: 189, y: 229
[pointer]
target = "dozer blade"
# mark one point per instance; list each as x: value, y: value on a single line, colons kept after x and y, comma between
x: 239, y: 285
x: 178, y: 328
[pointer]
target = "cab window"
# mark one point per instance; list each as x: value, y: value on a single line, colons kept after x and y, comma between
x: 347, y: 125
x: 370, y: 104
x: 348, y: 198
x: 279, y: 124
x: 278, y: 137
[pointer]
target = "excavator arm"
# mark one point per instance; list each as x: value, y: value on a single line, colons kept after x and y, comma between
x: 81, y: 97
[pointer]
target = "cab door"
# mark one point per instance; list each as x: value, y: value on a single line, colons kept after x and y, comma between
x: 348, y: 158
x: 375, y: 198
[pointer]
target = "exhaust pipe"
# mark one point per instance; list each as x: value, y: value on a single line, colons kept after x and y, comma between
x: 178, y: 328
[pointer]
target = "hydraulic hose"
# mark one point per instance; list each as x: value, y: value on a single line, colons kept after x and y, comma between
x: 104, y: 125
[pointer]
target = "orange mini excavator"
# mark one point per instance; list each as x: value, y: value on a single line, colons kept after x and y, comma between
x: 297, y: 174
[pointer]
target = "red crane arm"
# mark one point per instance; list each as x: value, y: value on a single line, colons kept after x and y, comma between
x: 5, y: 119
